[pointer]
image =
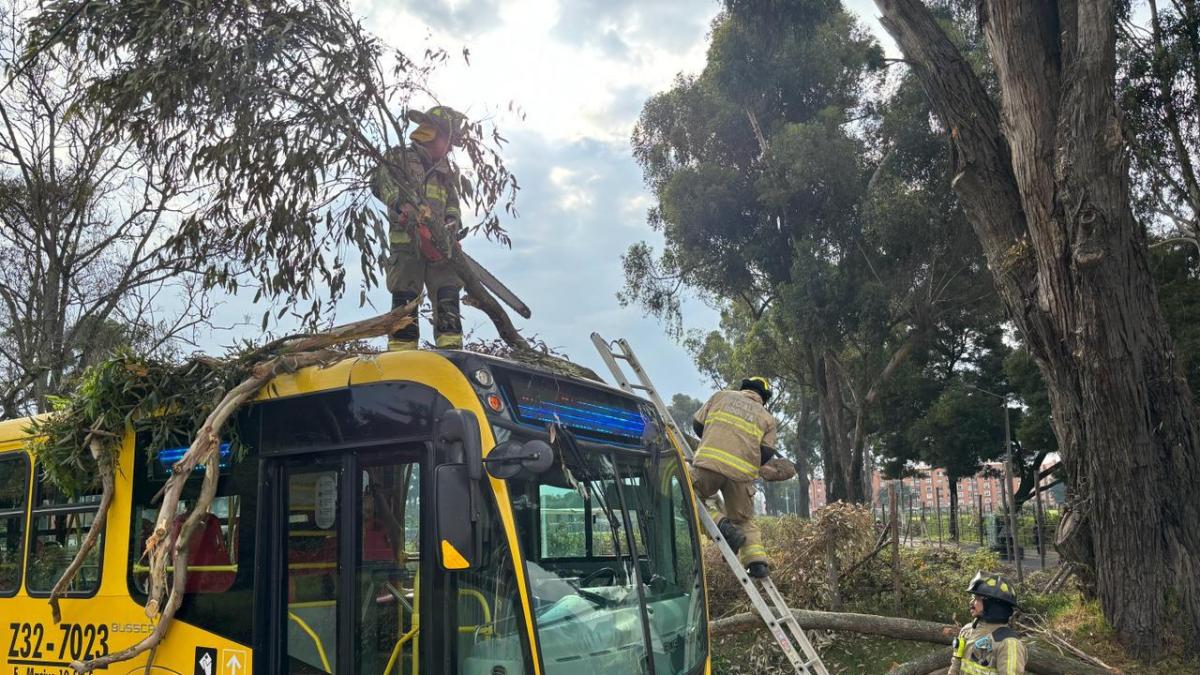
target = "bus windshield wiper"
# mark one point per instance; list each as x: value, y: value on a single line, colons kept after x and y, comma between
x: 585, y: 482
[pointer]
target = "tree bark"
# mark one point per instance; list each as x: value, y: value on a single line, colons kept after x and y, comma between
x: 844, y: 423
x: 837, y: 432
x: 832, y: 575
x: 104, y: 465
x: 866, y: 624
x: 1046, y: 190
x: 1029, y: 476
x: 952, y: 482
x: 804, y: 478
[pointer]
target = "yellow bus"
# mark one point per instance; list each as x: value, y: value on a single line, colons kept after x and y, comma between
x: 403, y: 513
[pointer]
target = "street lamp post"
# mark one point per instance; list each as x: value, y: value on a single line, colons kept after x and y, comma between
x: 1012, y: 500
x: 1014, y: 547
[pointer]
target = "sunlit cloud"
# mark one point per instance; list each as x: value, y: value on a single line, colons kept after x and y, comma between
x: 577, y: 73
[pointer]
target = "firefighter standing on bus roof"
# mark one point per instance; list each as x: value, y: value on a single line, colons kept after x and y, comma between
x: 737, y: 436
x: 987, y: 645
x: 416, y: 259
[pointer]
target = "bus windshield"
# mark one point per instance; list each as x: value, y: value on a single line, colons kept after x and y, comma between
x: 613, y: 563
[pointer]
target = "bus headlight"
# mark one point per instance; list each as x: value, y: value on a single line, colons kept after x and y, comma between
x: 482, y: 377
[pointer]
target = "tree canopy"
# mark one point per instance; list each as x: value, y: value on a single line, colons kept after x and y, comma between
x: 813, y: 211
x: 86, y: 219
x: 283, y: 109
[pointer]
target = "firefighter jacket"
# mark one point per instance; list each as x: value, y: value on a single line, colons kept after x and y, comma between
x: 434, y: 183
x: 987, y: 648
x: 735, y: 426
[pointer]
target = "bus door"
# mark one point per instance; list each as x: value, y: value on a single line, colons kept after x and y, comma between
x: 348, y: 535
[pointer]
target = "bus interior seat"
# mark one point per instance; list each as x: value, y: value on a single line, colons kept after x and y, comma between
x: 207, y: 549
x: 377, y: 543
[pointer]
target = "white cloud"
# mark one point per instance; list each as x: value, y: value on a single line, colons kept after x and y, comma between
x: 580, y: 70
x: 567, y: 90
x: 573, y: 193
x: 635, y: 207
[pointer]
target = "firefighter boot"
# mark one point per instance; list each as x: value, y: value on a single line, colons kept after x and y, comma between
x: 406, y: 338
x: 732, y: 533
x: 447, y: 322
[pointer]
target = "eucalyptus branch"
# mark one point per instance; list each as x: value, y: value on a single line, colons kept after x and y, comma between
x: 285, y: 356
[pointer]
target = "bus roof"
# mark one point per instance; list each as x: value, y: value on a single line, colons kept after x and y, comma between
x: 14, y: 430
x: 361, y: 369
x: 464, y: 359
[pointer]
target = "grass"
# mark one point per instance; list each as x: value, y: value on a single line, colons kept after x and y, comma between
x: 1082, y: 623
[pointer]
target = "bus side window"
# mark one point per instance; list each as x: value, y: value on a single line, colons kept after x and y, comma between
x: 220, y: 577
x: 59, y: 523
x: 14, y: 487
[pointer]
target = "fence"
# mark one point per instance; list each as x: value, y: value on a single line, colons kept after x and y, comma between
x: 977, y: 526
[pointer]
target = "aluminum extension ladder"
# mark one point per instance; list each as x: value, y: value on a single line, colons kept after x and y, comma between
x: 778, y: 617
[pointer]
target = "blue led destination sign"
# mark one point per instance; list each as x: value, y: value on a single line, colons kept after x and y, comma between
x: 592, y: 413
x: 167, y: 458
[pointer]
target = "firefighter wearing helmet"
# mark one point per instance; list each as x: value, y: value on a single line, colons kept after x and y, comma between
x: 420, y: 187
x: 987, y: 644
x: 737, y: 437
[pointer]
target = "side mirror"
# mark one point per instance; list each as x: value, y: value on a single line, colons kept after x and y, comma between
x: 459, y: 454
x: 457, y: 543
x: 458, y: 441
x: 510, y: 458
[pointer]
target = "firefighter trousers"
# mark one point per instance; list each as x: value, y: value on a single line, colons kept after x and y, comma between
x: 407, y: 273
x: 738, y: 498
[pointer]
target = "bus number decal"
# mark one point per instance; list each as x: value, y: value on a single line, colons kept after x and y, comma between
x: 79, y: 642
x: 26, y: 640
x: 83, y: 642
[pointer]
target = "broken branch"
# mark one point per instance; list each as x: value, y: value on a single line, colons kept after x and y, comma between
x: 292, y: 355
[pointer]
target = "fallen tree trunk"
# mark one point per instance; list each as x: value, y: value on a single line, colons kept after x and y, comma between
x: 1041, y: 661
x: 867, y: 624
x: 933, y: 662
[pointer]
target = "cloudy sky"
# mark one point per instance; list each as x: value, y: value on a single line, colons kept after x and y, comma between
x: 580, y: 70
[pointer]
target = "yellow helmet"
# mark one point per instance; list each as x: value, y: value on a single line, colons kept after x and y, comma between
x: 437, y: 120
x: 993, y: 586
x: 758, y: 384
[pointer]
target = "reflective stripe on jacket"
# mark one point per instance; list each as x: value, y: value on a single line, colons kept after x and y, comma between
x: 977, y: 653
x: 735, y: 425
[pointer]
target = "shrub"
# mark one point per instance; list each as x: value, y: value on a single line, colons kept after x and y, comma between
x: 797, y: 549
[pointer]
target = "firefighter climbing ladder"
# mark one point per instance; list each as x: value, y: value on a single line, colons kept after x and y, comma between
x: 778, y: 617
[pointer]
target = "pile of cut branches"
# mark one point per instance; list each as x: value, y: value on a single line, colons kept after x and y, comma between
x: 77, y: 445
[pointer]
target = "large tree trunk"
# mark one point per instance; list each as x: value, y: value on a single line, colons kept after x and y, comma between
x: 803, y: 471
x: 836, y: 441
x: 858, y: 458
x: 1047, y: 192
x: 952, y: 482
x: 804, y: 478
x: 844, y: 438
